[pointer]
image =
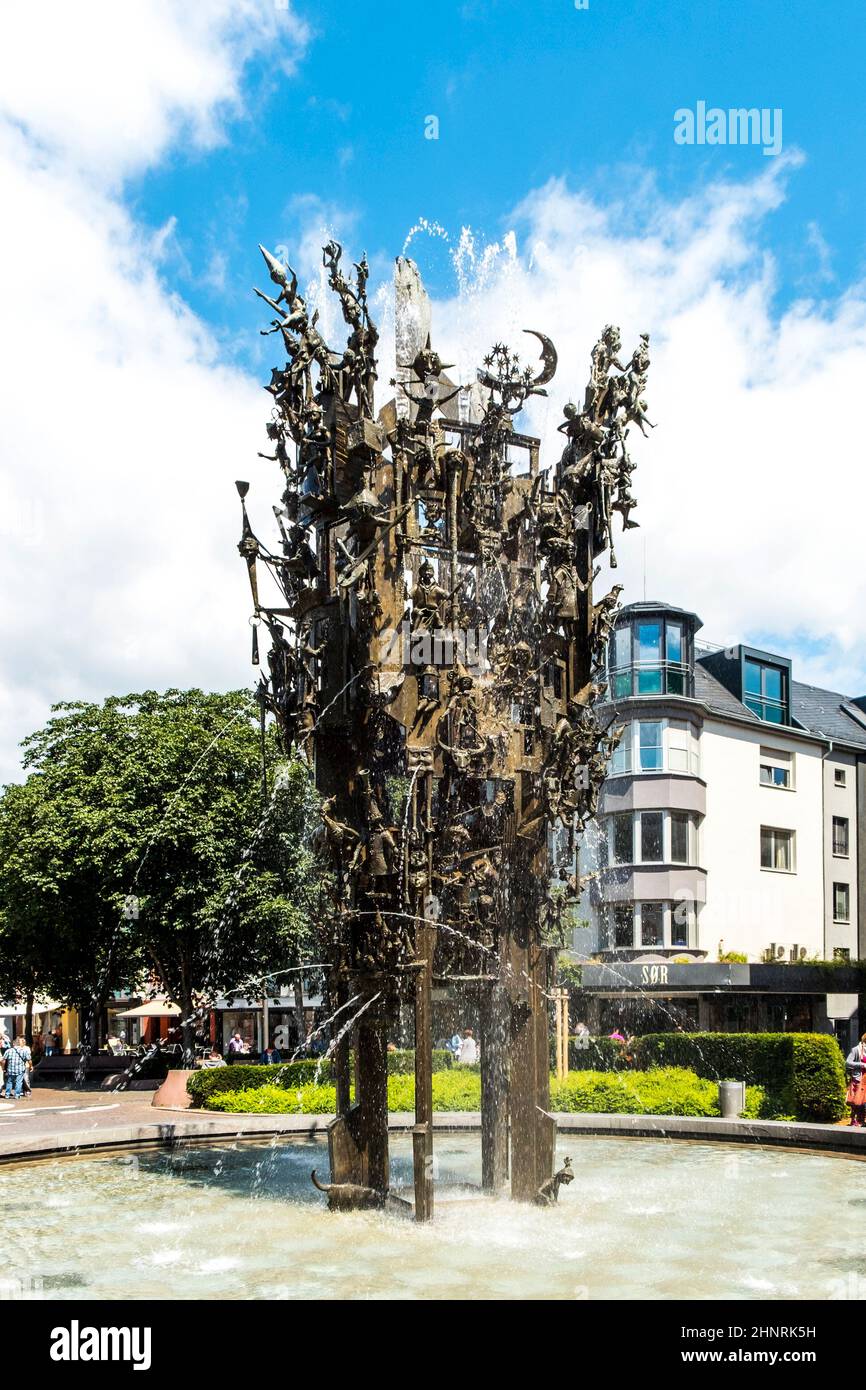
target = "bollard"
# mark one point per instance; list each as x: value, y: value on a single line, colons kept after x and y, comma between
x: 732, y: 1099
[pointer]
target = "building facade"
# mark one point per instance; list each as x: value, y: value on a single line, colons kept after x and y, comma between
x: 732, y: 820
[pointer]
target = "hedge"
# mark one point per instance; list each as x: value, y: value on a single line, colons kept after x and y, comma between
x: 209, y: 1081
x: 595, y: 1054
x: 452, y: 1090
x: 803, y: 1074
x: 665, y: 1091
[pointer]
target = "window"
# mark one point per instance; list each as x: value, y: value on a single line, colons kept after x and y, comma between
x: 621, y: 656
x: 765, y: 691
x: 623, y: 838
x: 676, y: 676
x: 656, y: 745
x: 650, y: 745
x: 620, y: 763
x: 679, y: 837
x: 623, y: 925
x: 650, y: 657
x: 651, y: 851
x: 839, y: 776
x: 681, y: 915
x: 652, y: 924
x: 840, y: 837
x: 777, y: 769
x: 777, y: 849
x: 841, y: 902
x: 841, y: 953
x: 678, y: 746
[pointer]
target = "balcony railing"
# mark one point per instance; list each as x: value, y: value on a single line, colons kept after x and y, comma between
x: 651, y: 678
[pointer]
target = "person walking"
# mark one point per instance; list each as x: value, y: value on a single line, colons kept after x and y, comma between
x: 855, y: 1096
x: 16, y: 1064
x: 468, y: 1053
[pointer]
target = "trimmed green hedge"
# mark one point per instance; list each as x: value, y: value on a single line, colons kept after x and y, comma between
x: 665, y: 1091
x: 802, y: 1073
x: 459, y: 1089
x: 596, y: 1054
x: 238, y: 1076
x: 210, y: 1081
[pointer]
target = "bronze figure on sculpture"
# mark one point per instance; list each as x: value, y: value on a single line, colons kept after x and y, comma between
x: 436, y: 657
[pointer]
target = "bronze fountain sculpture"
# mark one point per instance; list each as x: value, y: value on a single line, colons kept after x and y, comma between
x: 445, y: 764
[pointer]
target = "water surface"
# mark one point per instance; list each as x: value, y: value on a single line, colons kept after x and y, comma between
x: 645, y: 1218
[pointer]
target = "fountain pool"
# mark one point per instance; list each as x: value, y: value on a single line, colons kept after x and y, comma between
x: 644, y: 1218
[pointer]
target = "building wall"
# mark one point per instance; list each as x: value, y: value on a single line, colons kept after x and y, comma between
x: 748, y: 907
x: 840, y: 801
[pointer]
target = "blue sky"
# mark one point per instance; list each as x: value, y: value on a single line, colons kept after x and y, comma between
x: 145, y: 150
x: 523, y: 93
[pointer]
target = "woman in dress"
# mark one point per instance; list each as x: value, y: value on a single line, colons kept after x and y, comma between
x: 856, y: 1093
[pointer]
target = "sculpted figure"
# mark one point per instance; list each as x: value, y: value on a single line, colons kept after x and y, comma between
x: 604, y: 356
x: 548, y: 1193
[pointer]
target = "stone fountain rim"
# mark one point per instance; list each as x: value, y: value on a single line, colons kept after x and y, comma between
x: 203, y: 1128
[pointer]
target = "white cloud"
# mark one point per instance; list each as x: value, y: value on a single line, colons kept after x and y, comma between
x: 122, y: 431
x: 109, y: 86
x: 751, y: 488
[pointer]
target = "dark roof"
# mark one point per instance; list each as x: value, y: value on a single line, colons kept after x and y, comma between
x: 646, y: 605
x: 823, y: 712
x: 717, y: 698
x: 828, y: 713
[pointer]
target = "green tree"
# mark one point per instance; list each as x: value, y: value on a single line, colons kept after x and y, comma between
x: 157, y: 796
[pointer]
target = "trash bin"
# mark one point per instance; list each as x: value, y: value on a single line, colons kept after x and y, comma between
x: 732, y: 1099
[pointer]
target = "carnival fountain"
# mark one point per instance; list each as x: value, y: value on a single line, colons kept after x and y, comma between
x: 436, y: 655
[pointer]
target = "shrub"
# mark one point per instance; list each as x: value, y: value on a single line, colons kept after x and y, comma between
x: 595, y: 1054
x: 290, y: 1075
x: 663, y: 1091
x: 276, y: 1100
x: 452, y: 1090
x: 239, y: 1077
x: 819, y: 1077
x: 403, y: 1060
x: 802, y: 1073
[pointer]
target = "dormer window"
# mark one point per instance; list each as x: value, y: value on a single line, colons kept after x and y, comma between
x: 765, y: 690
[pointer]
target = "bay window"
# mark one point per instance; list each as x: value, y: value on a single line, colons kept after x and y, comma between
x: 656, y: 745
x: 650, y: 656
x: 652, y: 837
x: 650, y: 925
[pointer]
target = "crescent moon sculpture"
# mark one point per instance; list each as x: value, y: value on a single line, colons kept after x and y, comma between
x: 548, y: 356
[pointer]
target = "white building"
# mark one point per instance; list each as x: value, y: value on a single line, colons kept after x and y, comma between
x: 732, y: 821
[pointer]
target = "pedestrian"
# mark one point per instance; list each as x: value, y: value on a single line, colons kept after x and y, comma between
x: 455, y: 1044
x: 237, y: 1046
x: 16, y: 1063
x: 47, y: 1043
x: 467, y: 1055
x: 856, y: 1094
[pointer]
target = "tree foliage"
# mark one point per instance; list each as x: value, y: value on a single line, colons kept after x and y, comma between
x: 157, y: 796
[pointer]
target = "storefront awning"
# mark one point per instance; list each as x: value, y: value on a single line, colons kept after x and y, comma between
x: 154, y: 1008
